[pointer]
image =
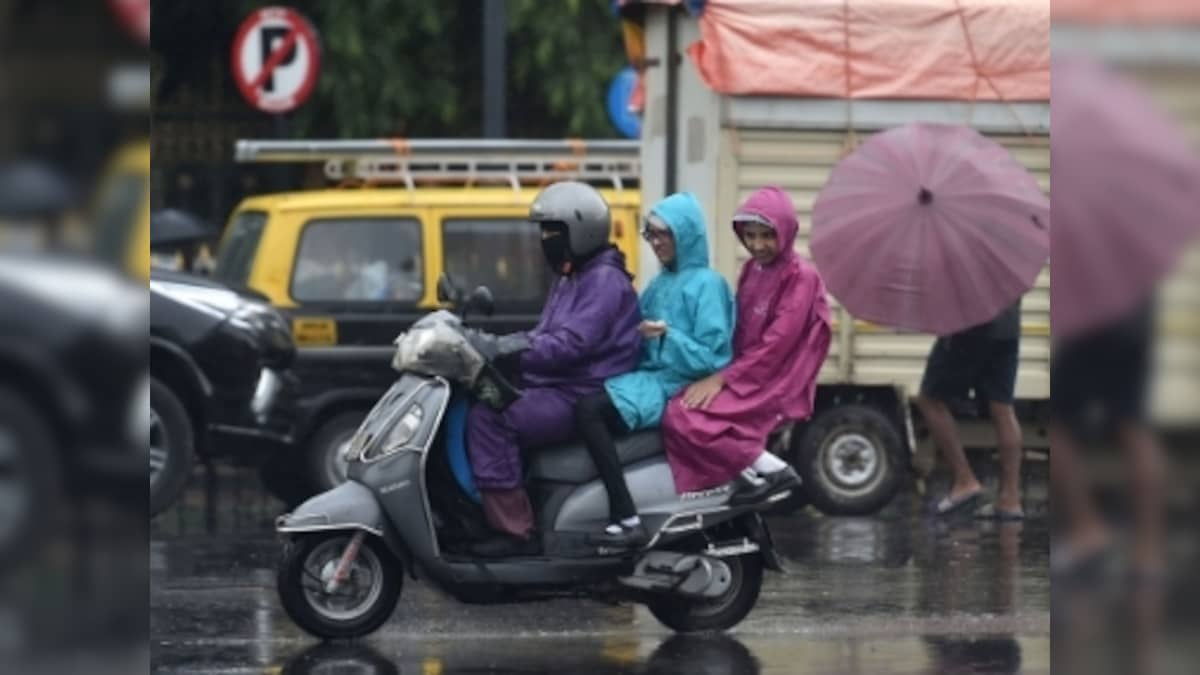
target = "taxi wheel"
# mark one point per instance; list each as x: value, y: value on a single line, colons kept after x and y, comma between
x: 326, y: 468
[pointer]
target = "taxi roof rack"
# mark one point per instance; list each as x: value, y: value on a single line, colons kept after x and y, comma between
x: 458, y: 161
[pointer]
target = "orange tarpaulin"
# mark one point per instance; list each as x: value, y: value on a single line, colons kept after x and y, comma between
x: 987, y: 50
x: 1130, y: 12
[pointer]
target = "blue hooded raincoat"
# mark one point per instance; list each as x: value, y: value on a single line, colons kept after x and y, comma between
x: 697, y: 305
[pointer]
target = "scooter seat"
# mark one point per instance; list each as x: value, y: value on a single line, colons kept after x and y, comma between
x: 572, y: 463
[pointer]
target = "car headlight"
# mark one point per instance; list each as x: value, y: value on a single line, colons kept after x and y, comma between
x: 400, y: 434
x: 251, y: 317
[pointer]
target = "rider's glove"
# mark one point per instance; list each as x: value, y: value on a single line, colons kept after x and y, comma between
x: 512, y: 344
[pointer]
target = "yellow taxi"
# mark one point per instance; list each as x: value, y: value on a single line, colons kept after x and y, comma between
x: 353, y: 266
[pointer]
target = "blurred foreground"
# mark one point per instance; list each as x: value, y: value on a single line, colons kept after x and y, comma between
x: 1126, y: 274
x: 73, y: 316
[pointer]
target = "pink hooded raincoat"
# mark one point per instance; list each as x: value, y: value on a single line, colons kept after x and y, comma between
x: 780, y: 342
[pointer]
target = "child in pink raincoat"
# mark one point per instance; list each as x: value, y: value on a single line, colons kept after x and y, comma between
x: 716, y: 429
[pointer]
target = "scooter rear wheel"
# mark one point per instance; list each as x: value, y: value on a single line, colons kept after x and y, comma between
x: 363, y: 603
x: 693, y: 615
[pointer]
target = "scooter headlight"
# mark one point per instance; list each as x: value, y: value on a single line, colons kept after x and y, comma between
x: 399, y: 435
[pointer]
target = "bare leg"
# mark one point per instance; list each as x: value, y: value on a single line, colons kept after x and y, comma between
x: 1147, y: 469
x: 1086, y: 531
x: 1008, y: 443
x: 945, y: 433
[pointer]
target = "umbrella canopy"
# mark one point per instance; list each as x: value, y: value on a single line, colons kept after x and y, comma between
x: 32, y: 190
x: 1127, y: 196
x: 931, y: 228
x: 175, y: 227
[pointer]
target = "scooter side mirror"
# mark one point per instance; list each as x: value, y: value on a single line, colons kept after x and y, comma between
x: 446, y: 290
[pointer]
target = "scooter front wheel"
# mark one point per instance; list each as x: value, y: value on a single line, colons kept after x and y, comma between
x: 359, y: 605
x: 690, y: 615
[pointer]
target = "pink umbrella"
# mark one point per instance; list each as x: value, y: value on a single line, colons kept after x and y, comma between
x: 930, y: 228
x: 1126, y: 196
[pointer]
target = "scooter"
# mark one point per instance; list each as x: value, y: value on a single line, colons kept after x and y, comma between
x: 409, y: 507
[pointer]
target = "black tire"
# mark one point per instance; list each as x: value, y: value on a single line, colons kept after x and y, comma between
x: 172, y: 435
x: 296, y: 579
x: 687, y: 615
x: 30, y: 473
x: 851, y: 460
x: 323, y: 450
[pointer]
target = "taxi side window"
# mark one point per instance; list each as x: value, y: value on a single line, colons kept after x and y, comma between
x: 359, y: 260
x: 504, y: 254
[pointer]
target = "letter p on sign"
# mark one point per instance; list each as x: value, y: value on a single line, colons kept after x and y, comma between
x: 276, y: 58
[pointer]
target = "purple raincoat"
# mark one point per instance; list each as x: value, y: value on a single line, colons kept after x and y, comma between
x: 587, y: 333
x: 780, y: 342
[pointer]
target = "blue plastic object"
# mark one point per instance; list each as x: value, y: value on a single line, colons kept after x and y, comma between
x: 619, y: 91
x: 456, y: 446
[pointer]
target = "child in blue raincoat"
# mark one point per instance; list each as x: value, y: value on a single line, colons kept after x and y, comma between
x: 687, y: 329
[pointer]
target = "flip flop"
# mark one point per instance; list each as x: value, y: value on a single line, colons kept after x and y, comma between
x: 1069, y: 566
x: 993, y: 512
x: 948, y: 506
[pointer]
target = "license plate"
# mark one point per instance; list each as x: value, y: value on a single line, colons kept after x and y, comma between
x: 309, y: 332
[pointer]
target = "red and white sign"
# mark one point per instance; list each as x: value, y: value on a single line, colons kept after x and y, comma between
x: 135, y: 16
x: 276, y: 59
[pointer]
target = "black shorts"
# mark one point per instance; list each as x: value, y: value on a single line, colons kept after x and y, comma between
x: 960, y: 365
x: 1102, y: 379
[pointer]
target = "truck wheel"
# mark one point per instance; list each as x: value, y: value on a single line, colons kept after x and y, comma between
x: 688, y: 615
x: 29, y: 478
x: 172, y: 447
x: 850, y: 460
x: 326, y: 468
x: 365, y: 600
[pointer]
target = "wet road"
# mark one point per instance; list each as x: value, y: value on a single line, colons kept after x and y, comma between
x: 895, y: 593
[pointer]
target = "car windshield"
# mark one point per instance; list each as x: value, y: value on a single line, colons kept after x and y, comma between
x: 236, y: 256
x: 117, y: 217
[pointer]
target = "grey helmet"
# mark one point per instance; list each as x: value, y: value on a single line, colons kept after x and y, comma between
x: 581, y: 208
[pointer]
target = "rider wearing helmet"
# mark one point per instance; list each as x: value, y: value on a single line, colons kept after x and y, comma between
x: 588, y: 332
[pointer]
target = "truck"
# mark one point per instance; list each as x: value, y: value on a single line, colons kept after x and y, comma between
x: 864, y: 435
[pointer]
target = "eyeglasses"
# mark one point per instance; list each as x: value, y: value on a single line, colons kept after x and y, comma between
x: 653, y: 228
x: 652, y: 234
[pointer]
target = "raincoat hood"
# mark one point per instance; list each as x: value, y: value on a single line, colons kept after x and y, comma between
x: 773, y: 204
x: 682, y: 213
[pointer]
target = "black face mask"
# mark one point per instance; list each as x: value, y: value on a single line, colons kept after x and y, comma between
x: 557, y: 249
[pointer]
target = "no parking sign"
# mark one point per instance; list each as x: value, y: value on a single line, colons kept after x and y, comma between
x: 276, y: 58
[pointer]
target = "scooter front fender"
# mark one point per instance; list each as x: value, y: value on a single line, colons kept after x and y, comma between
x: 349, y: 506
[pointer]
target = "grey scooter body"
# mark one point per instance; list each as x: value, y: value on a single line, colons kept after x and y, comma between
x: 389, y: 497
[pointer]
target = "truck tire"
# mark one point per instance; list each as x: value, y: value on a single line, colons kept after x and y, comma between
x: 30, y: 478
x: 850, y: 458
x: 326, y: 468
x: 172, y: 447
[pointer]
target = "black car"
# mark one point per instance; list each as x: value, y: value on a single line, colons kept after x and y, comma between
x: 219, y: 385
x: 74, y: 385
